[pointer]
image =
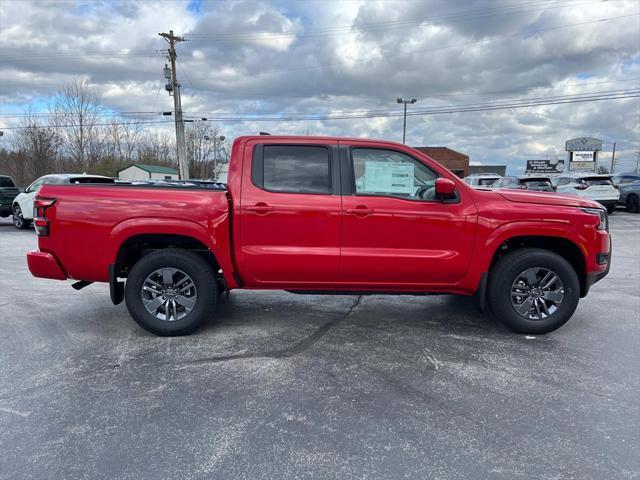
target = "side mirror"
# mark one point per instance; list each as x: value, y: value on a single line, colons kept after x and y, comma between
x: 445, y: 188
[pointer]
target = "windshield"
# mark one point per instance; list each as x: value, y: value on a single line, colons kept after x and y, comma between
x: 6, y: 182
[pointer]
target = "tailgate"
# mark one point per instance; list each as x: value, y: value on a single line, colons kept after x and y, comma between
x: 7, y: 194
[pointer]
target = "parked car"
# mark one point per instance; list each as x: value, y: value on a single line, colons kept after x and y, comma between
x: 598, y: 188
x: 22, y: 205
x: 629, y: 186
x: 323, y: 215
x: 482, y: 180
x: 8, y: 192
x: 540, y: 184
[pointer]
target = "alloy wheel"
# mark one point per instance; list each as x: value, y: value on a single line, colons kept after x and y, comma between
x: 537, y: 293
x: 169, y: 294
x: 18, y: 220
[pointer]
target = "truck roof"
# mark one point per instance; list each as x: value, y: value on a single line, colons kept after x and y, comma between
x: 319, y: 138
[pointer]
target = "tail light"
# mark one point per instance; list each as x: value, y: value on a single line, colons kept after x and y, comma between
x: 582, y: 186
x: 40, y: 221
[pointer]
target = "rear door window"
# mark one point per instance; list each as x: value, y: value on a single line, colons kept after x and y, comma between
x: 293, y: 169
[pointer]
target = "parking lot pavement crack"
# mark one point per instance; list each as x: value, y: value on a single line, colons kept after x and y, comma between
x: 295, y: 349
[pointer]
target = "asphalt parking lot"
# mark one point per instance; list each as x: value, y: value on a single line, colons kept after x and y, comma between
x: 282, y: 386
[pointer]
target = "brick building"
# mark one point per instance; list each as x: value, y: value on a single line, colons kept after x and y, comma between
x: 457, y: 162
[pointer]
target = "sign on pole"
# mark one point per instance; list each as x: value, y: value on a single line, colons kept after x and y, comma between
x: 583, y: 153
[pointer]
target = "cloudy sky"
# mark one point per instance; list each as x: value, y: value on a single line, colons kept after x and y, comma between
x: 293, y: 66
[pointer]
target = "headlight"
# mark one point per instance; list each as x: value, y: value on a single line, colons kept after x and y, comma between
x: 604, y: 219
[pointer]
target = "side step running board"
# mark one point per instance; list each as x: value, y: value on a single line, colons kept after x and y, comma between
x: 81, y: 284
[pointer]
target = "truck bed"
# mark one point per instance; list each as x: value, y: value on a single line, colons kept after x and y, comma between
x: 97, y: 219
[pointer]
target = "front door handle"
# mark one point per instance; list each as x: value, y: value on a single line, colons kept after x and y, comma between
x: 260, y: 208
x: 360, y: 210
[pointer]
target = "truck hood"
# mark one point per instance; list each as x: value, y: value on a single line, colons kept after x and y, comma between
x: 547, y: 199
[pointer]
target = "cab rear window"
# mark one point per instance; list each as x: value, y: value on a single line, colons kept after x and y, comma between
x: 485, y: 182
x: 6, y: 182
x: 537, y: 183
x: 597, y: 181
x: 91, y: 180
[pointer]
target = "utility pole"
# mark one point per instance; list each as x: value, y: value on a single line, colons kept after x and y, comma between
x: 613, y: 158
x: 638, y: 162
x: 404, y: 124
x: 183, y: 163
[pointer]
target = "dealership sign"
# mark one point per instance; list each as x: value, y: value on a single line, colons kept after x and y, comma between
x: 544, y: 166
x: 583, y: 153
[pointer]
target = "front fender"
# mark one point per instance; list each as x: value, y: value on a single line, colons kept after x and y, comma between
x: 494, y: 237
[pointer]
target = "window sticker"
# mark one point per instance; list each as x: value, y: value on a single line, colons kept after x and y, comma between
x: 388, y: 177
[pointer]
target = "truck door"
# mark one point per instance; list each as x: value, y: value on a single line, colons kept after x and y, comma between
x: 290, y: 213
x: 395, y: 233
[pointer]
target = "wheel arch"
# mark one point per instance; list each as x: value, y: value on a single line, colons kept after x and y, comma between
x: 565, y: 247
x: 134, y: 247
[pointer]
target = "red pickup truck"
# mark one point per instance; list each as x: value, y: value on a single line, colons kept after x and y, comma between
x: 323, y: 215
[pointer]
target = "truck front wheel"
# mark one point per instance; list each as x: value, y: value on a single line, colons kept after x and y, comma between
x: 533, y: 290
x: 171, y: 292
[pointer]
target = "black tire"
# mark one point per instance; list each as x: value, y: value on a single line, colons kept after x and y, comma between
x: 18, y: 220
x: 633, y: 205
x: 510, y: 268
x: 186, y: 262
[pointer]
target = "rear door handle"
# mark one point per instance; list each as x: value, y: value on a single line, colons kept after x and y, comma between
x: 260, y: 208
x: 359, y: 211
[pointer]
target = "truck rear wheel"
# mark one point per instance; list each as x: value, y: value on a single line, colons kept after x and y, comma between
x: 171, y: 292
x: 533, y: 290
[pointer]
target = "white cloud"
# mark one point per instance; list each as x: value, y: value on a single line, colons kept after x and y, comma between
x: 344, y: 56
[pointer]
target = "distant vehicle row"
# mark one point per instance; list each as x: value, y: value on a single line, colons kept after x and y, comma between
x: 629, y: 186
x: 622, y: 189
x: 22, y: 205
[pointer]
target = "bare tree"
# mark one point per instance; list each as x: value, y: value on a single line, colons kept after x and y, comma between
x: 37, y: 146
x: 121, y: 139
x: 203, y: 149
x: 78, y: 115
x: 156, y: 148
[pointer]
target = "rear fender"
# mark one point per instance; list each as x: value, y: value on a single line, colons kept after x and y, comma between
x: 216, y: 240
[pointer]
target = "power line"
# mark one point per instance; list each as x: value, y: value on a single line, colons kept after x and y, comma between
x: 95, y: 53
x: 288, y: 117
x: 348, y: 29
x: 73, y: 125
x: 448, y: 107
x: 456, y: 108
x: 622, y: 93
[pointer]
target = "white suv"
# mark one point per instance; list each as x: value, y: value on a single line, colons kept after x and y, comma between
x: 482, y: 180
x: 22, y: 207
x: 599, y: 188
